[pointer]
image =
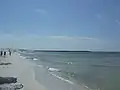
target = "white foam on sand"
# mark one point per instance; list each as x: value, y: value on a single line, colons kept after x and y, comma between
x: 23, y: 57
x: 88, y: 88
x: 68, y: 81
x: 53, y: 69
x: 35, y: 59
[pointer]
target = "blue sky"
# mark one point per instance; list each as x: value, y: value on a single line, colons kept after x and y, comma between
x: 60, y: 24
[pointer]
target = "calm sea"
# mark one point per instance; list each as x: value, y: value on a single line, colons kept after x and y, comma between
x: 94, y: 70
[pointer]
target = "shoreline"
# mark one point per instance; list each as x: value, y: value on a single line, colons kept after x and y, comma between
x: 52, y: 81
x: 32, y: 76
x: 55, y: 82
x: 22, y: 70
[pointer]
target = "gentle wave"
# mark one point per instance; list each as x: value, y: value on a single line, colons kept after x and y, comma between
x: 35, y: 59
x: 102, y: 65
x: 23, y: 57
x: 69, y: 62
x: 53, y: 69
x: 68, y: 81
x: 89, y: 88
x: 17, y: 53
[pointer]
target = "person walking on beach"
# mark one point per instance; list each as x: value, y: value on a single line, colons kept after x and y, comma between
x: 9, y: 52
x: 4, y: 53
x: 1, y: 53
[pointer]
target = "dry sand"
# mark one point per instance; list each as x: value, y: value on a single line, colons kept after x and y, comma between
x: 22, y: 69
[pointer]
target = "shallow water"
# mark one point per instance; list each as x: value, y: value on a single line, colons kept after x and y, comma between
x: 95, y: 70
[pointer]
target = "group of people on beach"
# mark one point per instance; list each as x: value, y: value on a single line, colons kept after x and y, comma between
x: 4, y: 52
x: 9, y: 82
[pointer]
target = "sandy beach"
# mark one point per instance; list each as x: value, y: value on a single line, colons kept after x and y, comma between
x: 32, y: 76
x: 22, y: 70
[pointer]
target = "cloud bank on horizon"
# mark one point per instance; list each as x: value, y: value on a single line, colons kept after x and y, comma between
x: 57, y: 43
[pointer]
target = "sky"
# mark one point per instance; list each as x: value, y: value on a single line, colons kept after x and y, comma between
x: 60, y: 24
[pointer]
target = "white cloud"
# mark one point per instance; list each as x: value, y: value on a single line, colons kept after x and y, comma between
x: 42, y: 11
x: 117, y: 21
x: 68, y: 37
x: 60, y: 37
x: 99, y: 16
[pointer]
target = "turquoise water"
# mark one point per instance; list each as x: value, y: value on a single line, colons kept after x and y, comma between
x: 94, y: 70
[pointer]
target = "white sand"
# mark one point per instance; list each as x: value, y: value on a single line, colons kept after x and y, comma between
x: 22, y: 69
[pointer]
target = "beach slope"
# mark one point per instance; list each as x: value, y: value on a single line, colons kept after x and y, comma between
x: 22, y: 70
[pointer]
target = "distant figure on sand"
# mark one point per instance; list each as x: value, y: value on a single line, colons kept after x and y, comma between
x: 9, y: 52
x: 1, y: 53
x: 4, y: 53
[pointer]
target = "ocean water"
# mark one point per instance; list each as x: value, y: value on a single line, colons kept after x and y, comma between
x: 92, y: 70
